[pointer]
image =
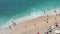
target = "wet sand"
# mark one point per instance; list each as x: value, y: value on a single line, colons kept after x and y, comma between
x: 32, y: 26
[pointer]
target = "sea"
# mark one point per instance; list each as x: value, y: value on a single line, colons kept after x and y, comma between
x: 11, y: 10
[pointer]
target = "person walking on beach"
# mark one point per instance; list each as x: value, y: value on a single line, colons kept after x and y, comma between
x: 10, y: 27
x: 34, y: 24
x: 25, y: 26
x: 47, y: 21
x: 56, y: 24
x: 14, y: 23
x: 56, y: 13
x: 47, y: 16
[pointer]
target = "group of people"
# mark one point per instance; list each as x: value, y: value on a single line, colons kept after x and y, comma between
x: 50, y: 27
x: 14, y: 24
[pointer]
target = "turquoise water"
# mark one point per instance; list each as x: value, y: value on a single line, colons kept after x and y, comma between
x: 10, y: 9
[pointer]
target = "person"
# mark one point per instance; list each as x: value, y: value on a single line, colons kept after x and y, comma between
x: 14, y: 23
x: 10, y: 27
x: 38, y: 33
x: 55, y: 11
x: 56, y: 14
x: 25, y: 26
x: 59, y: 14
x: 44, y: 12
x: 34, y: 24
x: 47, y: 16
x: 55, y: 18
x: 49, y: 29
x: 56, y: 24
x: 47, y: 21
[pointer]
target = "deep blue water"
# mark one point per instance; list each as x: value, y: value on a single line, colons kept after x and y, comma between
x: 20, y: 8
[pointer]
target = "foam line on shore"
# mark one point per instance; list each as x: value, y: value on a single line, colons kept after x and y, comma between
x: 32, y: 16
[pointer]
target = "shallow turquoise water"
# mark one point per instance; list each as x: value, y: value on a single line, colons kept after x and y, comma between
x: 20, y: 8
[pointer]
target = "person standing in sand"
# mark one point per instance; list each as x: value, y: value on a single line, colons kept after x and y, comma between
x: 34, y: 24
x: 47, y: 21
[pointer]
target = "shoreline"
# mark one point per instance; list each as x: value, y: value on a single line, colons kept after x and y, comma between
x: 28, y: 17
x: 27, y: 25
x: 17, y: 21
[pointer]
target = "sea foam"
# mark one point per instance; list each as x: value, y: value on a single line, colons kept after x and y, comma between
x: 33, y: 15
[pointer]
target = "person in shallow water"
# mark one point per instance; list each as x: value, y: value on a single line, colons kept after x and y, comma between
x: 55, y: 11
x: 14, y: 23
x: 56, y: 24
x: 44, y: 12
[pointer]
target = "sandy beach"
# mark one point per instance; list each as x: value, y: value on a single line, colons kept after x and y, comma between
x: 32, y: 26
x: 29, y: 16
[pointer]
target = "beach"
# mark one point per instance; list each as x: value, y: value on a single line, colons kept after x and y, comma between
x: 32, y: 26
x: 29, y: 16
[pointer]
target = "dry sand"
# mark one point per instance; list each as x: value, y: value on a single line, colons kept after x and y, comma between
x: 32, y: 26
